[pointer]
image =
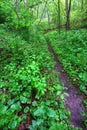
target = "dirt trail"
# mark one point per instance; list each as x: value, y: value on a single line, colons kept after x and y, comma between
x: 74, y: 101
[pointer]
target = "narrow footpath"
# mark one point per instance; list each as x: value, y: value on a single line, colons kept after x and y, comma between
x: 74, y: 102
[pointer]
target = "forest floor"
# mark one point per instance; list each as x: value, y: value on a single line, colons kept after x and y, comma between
x: 74, y: 102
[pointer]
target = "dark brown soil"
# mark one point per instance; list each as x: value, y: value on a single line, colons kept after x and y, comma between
x: 74, y: 102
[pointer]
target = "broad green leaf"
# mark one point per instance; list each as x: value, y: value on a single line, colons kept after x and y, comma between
x: 51, y: 112
x: 26, y: 109
x: 23, y: 99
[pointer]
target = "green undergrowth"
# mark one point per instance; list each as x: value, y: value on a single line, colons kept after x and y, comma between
x: 72, y: 53
x: 30, y: 90
x: 71, y: 50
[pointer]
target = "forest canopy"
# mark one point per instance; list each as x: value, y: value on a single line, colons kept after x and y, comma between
x: 47, y: 13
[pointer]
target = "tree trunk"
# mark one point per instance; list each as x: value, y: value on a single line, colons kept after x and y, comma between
x: 48, y: 15
x: 82, y: 5
x: 68, y: 8
x: 59, y: 16
x: 37, y: 11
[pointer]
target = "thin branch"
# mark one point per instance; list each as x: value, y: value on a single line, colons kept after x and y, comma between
x: 43, y: 11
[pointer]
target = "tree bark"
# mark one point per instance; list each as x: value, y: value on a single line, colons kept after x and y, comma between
x: 68, y: 8
x: 59, y: 16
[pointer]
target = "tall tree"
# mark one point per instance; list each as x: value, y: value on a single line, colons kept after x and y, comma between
x: 68, y: 9
x: 59, y: 15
